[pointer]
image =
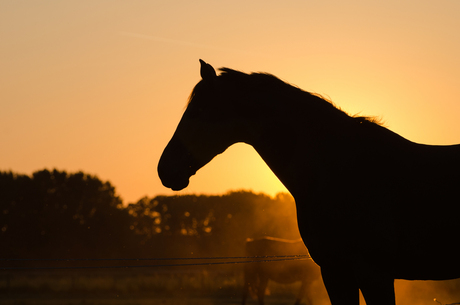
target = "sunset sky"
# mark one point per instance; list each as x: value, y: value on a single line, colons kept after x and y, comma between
x: 99, y: 86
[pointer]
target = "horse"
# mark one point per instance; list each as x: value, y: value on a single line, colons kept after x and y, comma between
x: 372, y: 206
x: 258, y: 274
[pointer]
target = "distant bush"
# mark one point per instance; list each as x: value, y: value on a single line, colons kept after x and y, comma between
x: 212, y: 225
x: 56, y: 214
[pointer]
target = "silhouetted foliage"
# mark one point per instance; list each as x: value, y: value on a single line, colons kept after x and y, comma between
x: 53, y: 214
x: 212, y: 225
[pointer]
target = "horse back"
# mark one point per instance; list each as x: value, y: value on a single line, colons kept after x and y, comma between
x: 426, y: 208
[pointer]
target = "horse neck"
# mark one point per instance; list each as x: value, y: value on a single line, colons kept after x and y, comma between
x: 296, y: 134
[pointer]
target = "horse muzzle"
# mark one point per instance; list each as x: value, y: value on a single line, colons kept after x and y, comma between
x: 171, y: 178
x: 175, y: 184
x: 176, y: 166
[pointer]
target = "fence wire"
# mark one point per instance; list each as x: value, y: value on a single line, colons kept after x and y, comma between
x: 207, y: 261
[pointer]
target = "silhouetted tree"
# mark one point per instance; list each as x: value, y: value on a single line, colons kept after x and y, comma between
x: 55, y: 214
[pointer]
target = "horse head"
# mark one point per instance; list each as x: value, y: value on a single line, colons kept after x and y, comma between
x: 207, y: 128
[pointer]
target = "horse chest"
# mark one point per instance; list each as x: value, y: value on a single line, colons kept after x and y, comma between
x: 334, y: 232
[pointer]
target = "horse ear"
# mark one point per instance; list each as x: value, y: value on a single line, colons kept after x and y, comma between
x: 207, y: 71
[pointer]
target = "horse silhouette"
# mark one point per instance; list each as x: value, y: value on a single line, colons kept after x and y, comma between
x: 372, y: 206
x: 258, y: 274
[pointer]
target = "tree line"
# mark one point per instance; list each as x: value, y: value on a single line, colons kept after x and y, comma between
x: 55, y: 214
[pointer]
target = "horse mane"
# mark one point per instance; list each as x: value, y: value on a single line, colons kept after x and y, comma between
x: 267, y: 80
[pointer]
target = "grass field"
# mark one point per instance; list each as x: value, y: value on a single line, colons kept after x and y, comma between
x: 176, y: 286
x: 132, y: 287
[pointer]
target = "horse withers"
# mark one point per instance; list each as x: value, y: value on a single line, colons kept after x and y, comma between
x: 258, y: 274
x: 371, y: 205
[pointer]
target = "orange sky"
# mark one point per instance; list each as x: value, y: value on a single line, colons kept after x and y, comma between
x: 100, y: 86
